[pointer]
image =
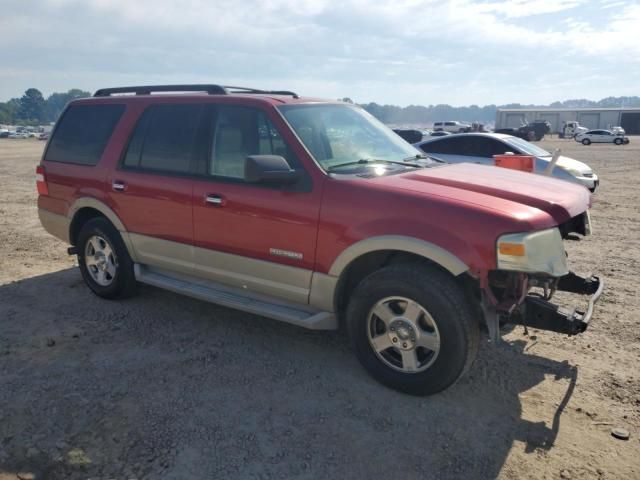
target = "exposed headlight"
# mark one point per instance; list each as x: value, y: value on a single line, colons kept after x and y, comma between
x: 533, y: 252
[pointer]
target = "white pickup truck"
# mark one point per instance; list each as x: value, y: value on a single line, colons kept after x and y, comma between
x: 571, y: 129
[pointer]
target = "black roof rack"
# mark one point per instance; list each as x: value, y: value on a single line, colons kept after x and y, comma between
x: 210, y: 89
x: 231, y: 89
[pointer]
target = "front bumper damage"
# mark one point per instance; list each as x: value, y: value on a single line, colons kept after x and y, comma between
x: 520, y: 306
x: 538, y: 312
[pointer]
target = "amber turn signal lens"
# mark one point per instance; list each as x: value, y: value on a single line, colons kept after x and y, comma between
x: 513, y: 249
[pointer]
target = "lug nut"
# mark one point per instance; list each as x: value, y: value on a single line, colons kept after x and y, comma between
x: 404, y: 345
x: 393, y: 329
x: 395, y: 339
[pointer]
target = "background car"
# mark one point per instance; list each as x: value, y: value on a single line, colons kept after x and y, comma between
x: 481, y: 147
x: 600, y: 136
x: 535, y: 130
x: 410, y: 135
x: 452, y: 127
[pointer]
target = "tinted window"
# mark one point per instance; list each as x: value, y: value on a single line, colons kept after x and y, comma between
x: 450, y: 124
x: 441, y: 146
x: 82, y: 133
x: 487, y: 147
x: 165, y: 138
x: 240, y: 132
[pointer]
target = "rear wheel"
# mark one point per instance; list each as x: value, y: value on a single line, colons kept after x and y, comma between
x: 586, y: 141
x: 104, y: 261
x: 412, y: 329
x: 618, y: 141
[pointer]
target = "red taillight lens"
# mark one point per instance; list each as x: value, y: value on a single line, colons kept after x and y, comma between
x: 41, y: 181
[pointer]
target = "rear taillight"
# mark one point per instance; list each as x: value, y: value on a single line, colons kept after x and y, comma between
x: 41, y: 181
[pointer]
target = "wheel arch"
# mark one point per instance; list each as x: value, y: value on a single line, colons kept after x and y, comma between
x: 86, y: 208
x: 367, y: 256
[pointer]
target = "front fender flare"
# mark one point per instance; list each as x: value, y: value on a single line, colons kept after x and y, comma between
x: 401, y: 243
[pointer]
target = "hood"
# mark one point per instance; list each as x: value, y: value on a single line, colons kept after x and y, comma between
x: 483, y: 185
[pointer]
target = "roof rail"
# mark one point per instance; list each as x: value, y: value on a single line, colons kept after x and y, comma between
x: 148, y: 89
x: 231, y: 89
x: 210, y: 89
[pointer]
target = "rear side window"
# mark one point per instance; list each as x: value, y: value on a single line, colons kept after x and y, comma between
x: 82, y: 133
x: 439, y: 146
x: 165, y: 139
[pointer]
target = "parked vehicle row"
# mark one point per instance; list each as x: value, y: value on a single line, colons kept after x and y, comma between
x: 313, y: 213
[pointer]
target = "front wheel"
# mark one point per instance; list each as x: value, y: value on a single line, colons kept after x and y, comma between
x: 586, y: 141
x: 618, y: 141
x: 412, y: 328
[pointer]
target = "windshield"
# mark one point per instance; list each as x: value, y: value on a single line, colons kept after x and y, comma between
x: 526, y: 147
x: 339, y: 134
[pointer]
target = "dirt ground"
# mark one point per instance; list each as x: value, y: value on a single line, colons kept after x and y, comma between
x: 163, y: 386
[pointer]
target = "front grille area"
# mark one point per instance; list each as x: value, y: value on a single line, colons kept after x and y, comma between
x: 578, y: 224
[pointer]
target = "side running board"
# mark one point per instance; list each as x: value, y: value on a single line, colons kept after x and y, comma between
x: 301, y: 315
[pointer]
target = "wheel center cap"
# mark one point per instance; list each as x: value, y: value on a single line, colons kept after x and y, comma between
x: 101, y: 260
x: 402, y: 334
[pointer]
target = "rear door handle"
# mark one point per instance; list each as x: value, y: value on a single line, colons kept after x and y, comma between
x: 118, y: 185
x: 213, y: 199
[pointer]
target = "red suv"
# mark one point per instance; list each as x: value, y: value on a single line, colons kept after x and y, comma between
x: 314, y: 213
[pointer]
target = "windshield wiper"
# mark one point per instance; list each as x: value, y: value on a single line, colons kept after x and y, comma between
x: 422, y: 156
x: 366, y: 161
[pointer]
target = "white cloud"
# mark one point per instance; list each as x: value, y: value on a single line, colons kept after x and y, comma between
x: 461, y: 51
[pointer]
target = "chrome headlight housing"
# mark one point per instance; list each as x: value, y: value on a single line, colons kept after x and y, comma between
x: 533, y: 252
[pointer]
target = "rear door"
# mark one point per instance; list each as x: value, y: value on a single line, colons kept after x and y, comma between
x: 258, y: 237
x: 152, y: 187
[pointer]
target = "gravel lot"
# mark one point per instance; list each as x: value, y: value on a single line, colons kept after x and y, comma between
x: 162, y: 386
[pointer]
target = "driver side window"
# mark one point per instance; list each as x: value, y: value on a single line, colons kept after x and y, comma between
x: 240, y: 132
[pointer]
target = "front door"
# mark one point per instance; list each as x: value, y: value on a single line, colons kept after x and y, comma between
x: 261, y: 238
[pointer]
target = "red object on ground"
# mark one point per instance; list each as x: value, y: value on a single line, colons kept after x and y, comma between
x: 524, y: 163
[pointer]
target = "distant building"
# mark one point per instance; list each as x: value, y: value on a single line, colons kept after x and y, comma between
x: 592, y: 118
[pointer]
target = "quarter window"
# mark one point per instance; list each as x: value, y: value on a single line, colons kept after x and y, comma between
x: 82, y: 133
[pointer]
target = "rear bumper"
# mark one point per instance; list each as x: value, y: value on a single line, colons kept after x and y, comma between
x: 55, y: 224
x: 536, y: 312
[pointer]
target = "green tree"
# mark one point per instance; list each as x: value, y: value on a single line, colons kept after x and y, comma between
x: 57, y: 101
x: 32, y: 106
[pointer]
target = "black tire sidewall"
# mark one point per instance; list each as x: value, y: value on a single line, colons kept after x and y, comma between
x: 451, y: 316
x: 124, y: 278
x: 617, y: 141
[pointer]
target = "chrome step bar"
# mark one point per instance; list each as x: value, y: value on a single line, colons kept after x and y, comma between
x: 301, y: 315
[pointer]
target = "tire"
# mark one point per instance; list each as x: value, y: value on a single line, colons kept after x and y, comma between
x: 109, y: 271
x: 586, y: 141
x: 445, y: 317
x: 617, y: 141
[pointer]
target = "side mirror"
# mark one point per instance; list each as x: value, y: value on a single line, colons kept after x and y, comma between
x: 268, y: 169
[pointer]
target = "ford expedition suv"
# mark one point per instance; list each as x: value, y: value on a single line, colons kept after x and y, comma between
x: 314, y: 213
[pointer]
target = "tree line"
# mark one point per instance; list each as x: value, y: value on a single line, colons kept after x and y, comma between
x: 33, y: 109
x: 420, y: 114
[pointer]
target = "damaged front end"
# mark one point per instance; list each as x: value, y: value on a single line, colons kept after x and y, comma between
x: 532, y: 267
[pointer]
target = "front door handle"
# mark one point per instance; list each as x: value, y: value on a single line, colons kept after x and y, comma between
x: 118, y: 185
x: 213, y: 199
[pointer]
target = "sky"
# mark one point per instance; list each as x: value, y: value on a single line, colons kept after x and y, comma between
x: 402, y: 52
